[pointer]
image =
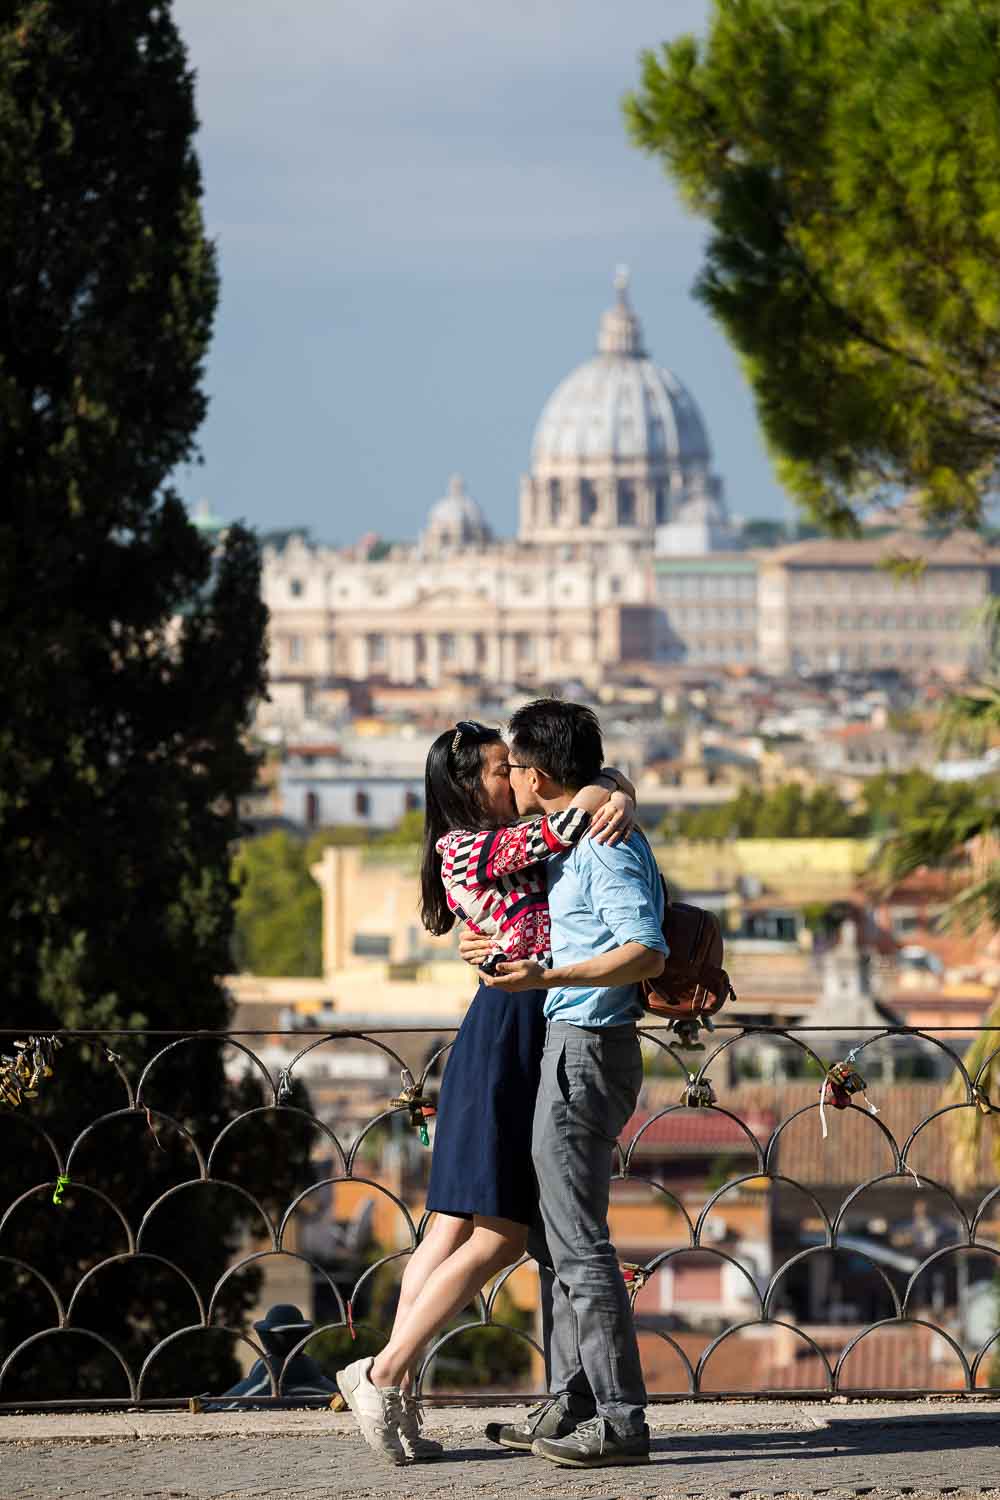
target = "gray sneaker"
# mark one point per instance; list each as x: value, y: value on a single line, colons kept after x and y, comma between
x: 548, y: 1419
x: 415, y: 1445
x: 594, y: 1445
x: 377, y: 1411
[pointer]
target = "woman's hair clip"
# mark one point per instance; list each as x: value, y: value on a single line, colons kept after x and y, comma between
x: 469, y: 726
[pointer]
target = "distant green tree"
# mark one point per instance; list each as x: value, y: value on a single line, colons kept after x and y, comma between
x: 279, y: 912
x: 131, y: 657
x: 408, y: 832
x: 759, y: 532
x: 785, y: 813
x: 893, y: 803
x: 846, y: 156
x: 889, y: 802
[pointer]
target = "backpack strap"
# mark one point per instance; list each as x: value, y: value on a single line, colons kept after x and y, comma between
x: 716, y: 981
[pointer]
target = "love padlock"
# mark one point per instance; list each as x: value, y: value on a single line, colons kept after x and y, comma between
x: 419, y: 1109
x: 633, y: 1275
x: 698, y: 1093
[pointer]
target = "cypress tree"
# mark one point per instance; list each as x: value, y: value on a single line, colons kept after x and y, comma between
x: 131, y: 654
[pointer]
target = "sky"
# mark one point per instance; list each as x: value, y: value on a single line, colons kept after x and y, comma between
x: 418, y: 207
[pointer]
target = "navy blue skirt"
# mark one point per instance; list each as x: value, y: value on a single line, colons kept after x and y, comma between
x: 482, y: 1138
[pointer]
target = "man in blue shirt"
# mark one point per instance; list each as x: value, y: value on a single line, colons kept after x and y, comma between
x: 606, y: 902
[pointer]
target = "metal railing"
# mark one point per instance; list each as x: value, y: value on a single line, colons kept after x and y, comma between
x: 76, y: 1218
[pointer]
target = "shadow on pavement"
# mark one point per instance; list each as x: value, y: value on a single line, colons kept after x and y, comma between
x: 870, y: 1437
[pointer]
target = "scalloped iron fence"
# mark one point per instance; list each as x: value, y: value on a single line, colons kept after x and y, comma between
x: 787, y: 1227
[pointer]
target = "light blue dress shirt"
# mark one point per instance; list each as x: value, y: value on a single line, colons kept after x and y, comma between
x: 600, y: 898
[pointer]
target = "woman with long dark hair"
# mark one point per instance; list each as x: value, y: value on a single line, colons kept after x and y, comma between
x: 480, y: 867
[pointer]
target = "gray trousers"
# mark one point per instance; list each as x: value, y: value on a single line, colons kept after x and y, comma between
x: 590, y: 1082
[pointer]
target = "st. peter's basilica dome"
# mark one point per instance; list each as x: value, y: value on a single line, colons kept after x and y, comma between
x: 620, y: 443
x: 620, y: 404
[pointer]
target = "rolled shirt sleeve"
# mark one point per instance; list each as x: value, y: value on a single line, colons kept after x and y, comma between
x: 624, y: 895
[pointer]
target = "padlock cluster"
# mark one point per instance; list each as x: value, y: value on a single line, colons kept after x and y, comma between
x: 22, y: 1072
x: 698, y: 1093
x: 842, y: 1081
x: 419, y: 1109
x: 633, y: 1275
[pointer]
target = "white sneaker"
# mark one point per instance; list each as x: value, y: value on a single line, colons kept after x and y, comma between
x: 377, y: 1412
x: 415, y: 1445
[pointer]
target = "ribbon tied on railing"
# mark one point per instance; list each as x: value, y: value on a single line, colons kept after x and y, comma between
x: 841, y: 1083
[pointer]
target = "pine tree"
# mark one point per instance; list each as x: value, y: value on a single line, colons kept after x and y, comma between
x: 131, y: 654
x: 846, y: 156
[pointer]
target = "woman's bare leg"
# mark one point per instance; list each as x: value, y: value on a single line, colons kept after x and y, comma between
x: 492, y: 1245
x: 444, y: 1236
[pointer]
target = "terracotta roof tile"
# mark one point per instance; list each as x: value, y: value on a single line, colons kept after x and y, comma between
x: 695, y: 1130
x: 910, y: 1357
x: 855, y: 1149
x: 961, y: 548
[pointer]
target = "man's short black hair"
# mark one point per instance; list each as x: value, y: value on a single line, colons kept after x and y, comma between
x: 561, y: 739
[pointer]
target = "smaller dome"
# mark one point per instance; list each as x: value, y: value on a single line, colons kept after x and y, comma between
x: 456, y: 520
x: 701, y: 523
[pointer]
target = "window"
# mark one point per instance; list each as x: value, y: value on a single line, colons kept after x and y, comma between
x: 294, y: 648
x: 588, y: 501
x: 371, y: 945
x: 411, y: 801
x: 376, y: 650
x: 362, y: 803
x: 662, y: 505
x: 295, y: 587
x: 626, y: 503
x: 448, y: 647
x: 555, y: 499
x: 312, y: 810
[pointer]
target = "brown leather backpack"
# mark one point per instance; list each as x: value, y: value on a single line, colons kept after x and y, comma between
x: 693, y: 984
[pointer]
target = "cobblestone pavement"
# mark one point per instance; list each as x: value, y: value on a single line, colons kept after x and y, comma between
x: 706, y: 1452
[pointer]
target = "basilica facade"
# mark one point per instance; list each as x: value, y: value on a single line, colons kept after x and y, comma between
x: 624, y: 555
x: 620, y: 477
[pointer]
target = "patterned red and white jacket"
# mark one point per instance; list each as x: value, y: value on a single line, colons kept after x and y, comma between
x: 494, y: 879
